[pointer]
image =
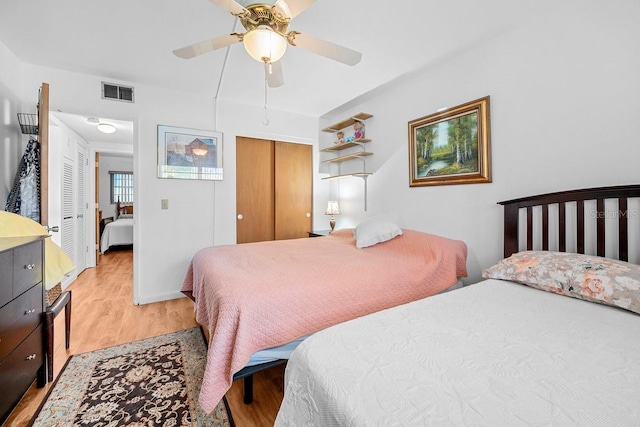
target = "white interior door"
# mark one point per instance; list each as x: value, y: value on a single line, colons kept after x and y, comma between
x: 81, y: 208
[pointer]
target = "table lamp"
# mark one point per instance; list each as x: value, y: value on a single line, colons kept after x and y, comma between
x: 332, y: 209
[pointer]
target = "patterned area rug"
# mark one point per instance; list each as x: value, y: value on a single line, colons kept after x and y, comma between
x: 155, y: 381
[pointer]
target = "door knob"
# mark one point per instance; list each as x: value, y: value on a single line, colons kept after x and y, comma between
x: 308, y: 214
x: 54, y: 228
x: 240, y: 216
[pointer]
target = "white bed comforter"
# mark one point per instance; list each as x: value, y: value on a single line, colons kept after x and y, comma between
x: 118, y: 232
x: 492, y: 354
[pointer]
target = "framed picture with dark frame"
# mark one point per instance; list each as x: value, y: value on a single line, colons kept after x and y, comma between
x: 189, y: 153
x: 451, y: 146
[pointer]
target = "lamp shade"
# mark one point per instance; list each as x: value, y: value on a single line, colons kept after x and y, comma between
x: 264, y: 44
x: 332, y: 208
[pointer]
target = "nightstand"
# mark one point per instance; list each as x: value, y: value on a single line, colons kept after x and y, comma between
x: 319, y: 233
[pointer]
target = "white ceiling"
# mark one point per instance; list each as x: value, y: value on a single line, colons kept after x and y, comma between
x: 132, y: 41
x: 88, y: 129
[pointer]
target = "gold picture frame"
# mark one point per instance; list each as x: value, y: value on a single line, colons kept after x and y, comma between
x: 451, y: 146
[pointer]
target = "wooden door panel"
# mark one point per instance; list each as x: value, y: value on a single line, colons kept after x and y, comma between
x: 254, y: 190
x: 294, y: 190
x: 43, y: 139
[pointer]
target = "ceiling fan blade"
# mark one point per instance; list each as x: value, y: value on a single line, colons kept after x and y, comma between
x: 327, y: 49
x: 230, y: 6
x: 273, y: 72
x: 292, y: 8
x: 201, y: 48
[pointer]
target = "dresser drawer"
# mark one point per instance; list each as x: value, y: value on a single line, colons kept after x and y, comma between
x: 27, y: 267
x: 19, y: 318
x: 19, y: 369
x: 6, y: 277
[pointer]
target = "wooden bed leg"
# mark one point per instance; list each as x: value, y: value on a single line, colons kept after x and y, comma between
x: 247, y: 390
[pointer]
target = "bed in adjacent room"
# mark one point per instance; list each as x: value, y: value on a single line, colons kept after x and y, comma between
x: 260, y: 296
x: 549, y: 338
x: 119, y: 232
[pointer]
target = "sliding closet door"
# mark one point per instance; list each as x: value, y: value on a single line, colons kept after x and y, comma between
x: 294, y: 190
x: 254, y: 190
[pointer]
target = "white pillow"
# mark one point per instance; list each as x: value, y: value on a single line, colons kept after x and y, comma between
x: 375, y: 230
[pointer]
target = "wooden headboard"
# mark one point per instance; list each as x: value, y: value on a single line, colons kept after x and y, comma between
x: 123, y: 209
x: 623, y: 216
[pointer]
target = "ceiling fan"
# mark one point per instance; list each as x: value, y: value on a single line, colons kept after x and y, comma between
x: 267, y: 35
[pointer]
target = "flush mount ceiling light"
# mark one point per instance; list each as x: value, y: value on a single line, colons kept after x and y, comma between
x: 106, y: 128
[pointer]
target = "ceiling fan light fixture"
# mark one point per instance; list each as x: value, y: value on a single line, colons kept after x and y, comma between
x: 106, y: 128
x: 264, y: 44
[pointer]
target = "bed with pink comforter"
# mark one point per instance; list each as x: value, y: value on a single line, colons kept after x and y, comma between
x: 255, y: 296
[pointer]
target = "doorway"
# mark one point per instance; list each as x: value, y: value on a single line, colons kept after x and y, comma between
x: 86, y: 187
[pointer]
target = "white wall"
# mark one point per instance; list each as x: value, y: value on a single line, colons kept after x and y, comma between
x: 564, y: 103
x: 108, y: 164
x: 12, y: 143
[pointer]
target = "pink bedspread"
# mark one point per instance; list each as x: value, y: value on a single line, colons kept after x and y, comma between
x: 255, y: 296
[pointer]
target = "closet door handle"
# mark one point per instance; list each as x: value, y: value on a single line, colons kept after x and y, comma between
x: 240, y: 216
x: 80, y: 216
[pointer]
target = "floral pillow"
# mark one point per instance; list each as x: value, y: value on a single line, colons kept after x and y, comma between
x: 586, y: 277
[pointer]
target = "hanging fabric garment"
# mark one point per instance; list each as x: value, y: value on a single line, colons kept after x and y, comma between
x: 24, y: 198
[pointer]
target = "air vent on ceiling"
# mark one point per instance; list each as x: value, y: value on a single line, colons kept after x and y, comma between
x: 117, y: 92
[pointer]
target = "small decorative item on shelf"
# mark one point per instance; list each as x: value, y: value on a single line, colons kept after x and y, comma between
x: 349, y: 138
x: 340, y: 139
x: 332, y: 209
x: 358, y: 128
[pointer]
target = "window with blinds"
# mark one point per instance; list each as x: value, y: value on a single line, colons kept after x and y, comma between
x: 121, y: 187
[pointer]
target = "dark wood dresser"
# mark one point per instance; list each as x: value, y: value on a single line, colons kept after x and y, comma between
x: 22, y: 343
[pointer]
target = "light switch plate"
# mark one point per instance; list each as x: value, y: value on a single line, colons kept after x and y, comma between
x: 164, y: 203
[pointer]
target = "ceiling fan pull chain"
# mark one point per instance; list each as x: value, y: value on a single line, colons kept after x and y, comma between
x: 266, y: 117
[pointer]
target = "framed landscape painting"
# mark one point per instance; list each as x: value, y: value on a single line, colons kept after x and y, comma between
x: 451, y: 146
x: 189, y: 153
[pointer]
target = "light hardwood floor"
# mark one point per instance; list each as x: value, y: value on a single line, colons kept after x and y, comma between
x: 103, y: 315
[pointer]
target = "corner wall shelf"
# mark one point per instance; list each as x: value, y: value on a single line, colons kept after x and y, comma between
x: 348, y: 157
x: 352, y: 155
x: 359, y: 175
x: 345, y: 145
x: 347, y: 122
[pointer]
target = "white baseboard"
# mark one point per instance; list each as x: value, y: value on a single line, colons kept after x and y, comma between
x: 149, y: 299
